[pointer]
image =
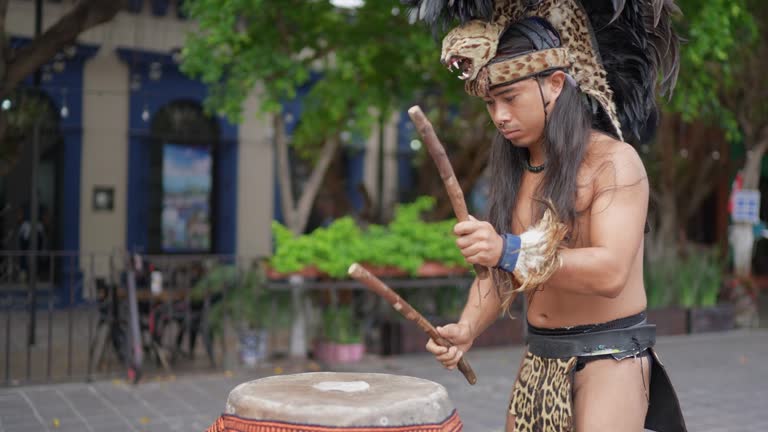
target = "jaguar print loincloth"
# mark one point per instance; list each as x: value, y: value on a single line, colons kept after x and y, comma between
x: 542, y: 398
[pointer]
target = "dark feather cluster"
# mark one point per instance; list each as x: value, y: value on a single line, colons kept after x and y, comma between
x: 440, y: 14
x: 635, y: 39
x: 637, y: 43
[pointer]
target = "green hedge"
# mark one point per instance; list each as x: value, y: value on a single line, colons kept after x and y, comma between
x: 691, y: 280
x: 405, y: 243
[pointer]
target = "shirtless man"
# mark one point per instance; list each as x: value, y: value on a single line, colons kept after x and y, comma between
x: 550, y: 147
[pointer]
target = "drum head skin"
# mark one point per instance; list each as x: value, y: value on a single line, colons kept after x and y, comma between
x: 342, y: 399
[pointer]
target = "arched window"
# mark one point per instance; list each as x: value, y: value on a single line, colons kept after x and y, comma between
x: 25, y: 110
x: 182, y: 173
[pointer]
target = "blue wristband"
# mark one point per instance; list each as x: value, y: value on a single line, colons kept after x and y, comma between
x: 509, y: 252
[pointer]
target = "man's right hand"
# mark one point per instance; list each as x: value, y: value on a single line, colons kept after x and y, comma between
x: 460, y: 336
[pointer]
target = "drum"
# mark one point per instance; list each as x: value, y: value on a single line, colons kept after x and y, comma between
x: 329, y: 401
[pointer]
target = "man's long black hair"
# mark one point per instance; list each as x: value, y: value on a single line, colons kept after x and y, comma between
x: 566, y: 135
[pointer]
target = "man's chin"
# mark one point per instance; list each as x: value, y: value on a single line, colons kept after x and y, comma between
x: 516, y: 138
x: 517, y: 142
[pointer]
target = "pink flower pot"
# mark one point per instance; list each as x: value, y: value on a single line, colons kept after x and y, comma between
x: 330, y: 352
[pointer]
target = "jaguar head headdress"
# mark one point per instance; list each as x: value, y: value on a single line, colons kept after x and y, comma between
x: 614, y: 50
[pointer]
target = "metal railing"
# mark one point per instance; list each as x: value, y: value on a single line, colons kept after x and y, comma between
x: 48, y: 309
x: 72, y: 319
x: 86, y: 316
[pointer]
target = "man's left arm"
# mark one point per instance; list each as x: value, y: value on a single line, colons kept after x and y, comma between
x: 617, y: 219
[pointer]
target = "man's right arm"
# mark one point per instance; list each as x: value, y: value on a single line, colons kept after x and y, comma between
x: 482, y: 309
x: 483, y: 306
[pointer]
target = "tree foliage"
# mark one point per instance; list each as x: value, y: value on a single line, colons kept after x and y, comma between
x: 370, y: 60
x: 714, y: 31
x: 374, y: 57
x: 357, y: 67
x: 405, y: 243
x: 748, y: 90
x: 690, y: 155
x: 373, y: 61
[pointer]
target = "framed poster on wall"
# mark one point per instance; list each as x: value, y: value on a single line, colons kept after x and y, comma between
x: 187, y: 186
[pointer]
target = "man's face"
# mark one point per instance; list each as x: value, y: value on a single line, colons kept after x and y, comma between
x: 517, y: 110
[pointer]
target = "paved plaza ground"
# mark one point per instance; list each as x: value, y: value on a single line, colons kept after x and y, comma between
x: 722, y: 380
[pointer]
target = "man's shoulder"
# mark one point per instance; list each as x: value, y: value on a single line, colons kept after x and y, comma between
x: 606, y: 147
x: 613, y: 160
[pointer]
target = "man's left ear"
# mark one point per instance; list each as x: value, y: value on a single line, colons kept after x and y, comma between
x: 556, y: 83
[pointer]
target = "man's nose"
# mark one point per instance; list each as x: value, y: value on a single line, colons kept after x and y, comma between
x: 502, y: 116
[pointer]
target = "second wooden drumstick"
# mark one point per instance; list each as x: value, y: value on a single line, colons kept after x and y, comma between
x: 375, y: 284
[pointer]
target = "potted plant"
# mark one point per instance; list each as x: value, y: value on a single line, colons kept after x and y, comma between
x: 704, y: 276
x: 661, y: 283
x: 342, y: 340
x: 240, y: 297
x: 424, y: 248
x: 408, y: 245
x: 661, y: 280
x: 293, y: 254
x: 683, y: 292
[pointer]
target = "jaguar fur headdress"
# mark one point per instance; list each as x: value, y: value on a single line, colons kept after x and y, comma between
x: 614, y: 50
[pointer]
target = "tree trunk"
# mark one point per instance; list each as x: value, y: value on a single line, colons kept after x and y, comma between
x: 284, y: 173
x: 753, y: 165
x: 297, y: 214
x: 742, y: 239
x: 664, y: 236
x: 665, y: 210
x: 311, y: 188
x: 296, y: 217
x: 17, y: 65
x: 83, y: 16
x: 681, y: 182
x: 3, y: 39
x: 469, y: 163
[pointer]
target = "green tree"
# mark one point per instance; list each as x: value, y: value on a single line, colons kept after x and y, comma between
x: 372, y: 60
x: 747, y: 99
x: 375, y: 62
x: 696, y: 124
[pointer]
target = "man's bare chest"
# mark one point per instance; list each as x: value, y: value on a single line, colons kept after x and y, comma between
x: 529, y: 207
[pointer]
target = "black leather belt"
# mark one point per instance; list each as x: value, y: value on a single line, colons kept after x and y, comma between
x: 628, y: 341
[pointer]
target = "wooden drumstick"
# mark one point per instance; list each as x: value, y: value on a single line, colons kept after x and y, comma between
x: 375, y: 284
x: 437, y: 151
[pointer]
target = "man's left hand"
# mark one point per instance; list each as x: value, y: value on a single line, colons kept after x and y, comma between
x: 479, y: 242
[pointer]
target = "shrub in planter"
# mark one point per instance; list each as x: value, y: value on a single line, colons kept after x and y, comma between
x: 659, y: 277
x: 660, y: 288
x: 400, y: 336
x: 704, y: 282
x: 342, y: 340
x: 242, y: 298
x: 400, y: 248
x: 689, y: 285
x: 450, y: 301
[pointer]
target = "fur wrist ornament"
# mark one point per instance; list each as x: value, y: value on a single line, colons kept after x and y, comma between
x: 533, y: 256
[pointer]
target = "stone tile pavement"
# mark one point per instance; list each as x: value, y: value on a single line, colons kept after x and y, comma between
x: 722, y: 380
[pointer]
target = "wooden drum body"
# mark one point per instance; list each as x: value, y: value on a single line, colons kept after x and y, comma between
x: 328, y: 401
